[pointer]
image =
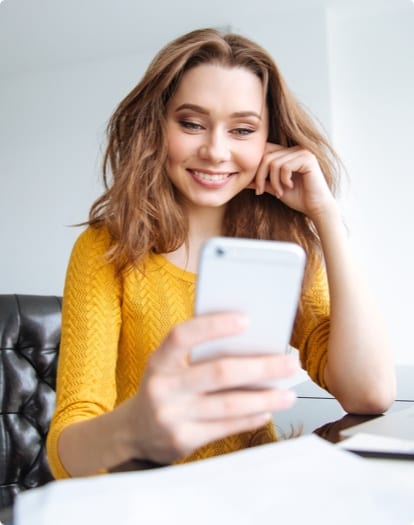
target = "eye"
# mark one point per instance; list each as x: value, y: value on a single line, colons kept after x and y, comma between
x: 242, y: 132
x: 191, y: 126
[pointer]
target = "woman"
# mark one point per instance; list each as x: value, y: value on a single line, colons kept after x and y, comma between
x: 210, y: 142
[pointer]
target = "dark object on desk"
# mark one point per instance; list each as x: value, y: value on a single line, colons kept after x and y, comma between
x: 29, y: 344
x: 331, y: 431
x: 397, y: 424
x: 384, y: 455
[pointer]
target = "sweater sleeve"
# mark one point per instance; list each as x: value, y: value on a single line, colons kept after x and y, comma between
x: 311, y: 331
x: 91, y: 318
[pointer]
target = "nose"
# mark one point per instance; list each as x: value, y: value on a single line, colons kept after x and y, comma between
x: 215, y: 147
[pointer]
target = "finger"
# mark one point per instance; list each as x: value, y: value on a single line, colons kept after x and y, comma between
x: 286, y: 176
x: 177, y: 345
x: 274, y: 157
x: 214, y: 430
x: 261, y: 176
x: 300, y: 162
x: 263, y: 169
x: 284, y: 166
x: 274, y: 179
x: 234, y: 372
x: 290, y: 170
x: 241, y: 403
x: 190, y: 436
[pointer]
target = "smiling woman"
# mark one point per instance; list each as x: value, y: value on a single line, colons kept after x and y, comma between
x: 349, y: 62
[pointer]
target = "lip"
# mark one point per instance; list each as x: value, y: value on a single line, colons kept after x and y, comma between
x: 211, y: 172
x: 212, y: 179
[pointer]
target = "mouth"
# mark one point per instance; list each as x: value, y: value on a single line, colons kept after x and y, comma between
x: 210, y: 177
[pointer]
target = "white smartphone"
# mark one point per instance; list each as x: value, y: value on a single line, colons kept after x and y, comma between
x: 263, y: 279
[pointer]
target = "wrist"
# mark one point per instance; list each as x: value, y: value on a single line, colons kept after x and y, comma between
x: 329, y: 214
x: 125, y: 441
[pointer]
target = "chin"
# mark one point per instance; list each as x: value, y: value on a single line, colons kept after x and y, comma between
x: 214, y: 200
x: 212, y: 203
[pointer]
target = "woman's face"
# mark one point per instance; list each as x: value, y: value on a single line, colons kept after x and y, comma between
x: 217, y: 128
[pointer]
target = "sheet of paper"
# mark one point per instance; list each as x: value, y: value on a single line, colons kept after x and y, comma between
x: 300, y: 481
x: 363, y: 442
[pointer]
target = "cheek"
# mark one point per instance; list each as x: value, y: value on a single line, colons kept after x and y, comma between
x: 172, y: 149
x: 178, y: 148
x: 251, y: 157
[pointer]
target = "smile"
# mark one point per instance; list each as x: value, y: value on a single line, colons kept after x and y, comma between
x: 210, y: 177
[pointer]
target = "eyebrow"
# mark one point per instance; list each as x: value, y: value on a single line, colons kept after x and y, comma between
x: 203, y: 111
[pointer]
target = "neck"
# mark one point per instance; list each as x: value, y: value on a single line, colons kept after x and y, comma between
x: 203, y: 223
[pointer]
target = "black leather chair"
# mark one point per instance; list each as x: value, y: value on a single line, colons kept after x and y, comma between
x: 29, y: 345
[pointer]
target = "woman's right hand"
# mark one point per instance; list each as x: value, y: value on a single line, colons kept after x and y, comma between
x: 181, y: 405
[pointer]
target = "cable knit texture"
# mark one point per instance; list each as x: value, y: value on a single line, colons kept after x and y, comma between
x: 111, y: 325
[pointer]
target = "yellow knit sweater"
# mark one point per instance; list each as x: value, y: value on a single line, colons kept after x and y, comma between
x: 110, y: 325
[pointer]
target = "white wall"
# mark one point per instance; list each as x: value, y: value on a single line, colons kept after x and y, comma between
x: 372, y: 87
x: 52, y: 127
x: 298, y: 42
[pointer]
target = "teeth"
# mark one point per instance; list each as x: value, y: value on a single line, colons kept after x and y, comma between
x: 211, y: 177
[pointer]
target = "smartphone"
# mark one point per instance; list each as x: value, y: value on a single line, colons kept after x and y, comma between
x: 261, y: 278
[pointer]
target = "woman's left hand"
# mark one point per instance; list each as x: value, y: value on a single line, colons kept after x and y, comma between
x: 294, y: 176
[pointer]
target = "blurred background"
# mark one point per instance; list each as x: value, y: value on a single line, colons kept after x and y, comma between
x: 65, y: 65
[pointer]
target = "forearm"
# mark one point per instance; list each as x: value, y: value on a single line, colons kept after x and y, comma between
x: 97, y: 444
x: 359, y: 371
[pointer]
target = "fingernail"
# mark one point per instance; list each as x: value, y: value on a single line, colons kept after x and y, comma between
x: 288, y: 397
x: 241, y: 321
x: 267, y: 416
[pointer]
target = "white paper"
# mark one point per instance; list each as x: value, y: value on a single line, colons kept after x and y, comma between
x: 382, y: 444
x: 299, y: 481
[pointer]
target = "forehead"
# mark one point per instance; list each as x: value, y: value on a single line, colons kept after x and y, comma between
x: 229, y: 88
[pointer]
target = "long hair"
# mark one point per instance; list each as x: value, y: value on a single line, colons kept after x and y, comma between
x: 140, y: 206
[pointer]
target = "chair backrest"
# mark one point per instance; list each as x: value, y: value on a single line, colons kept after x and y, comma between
x: 29, y: 343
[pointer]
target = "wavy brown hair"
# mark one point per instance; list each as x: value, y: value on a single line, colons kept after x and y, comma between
x: 140, y: 206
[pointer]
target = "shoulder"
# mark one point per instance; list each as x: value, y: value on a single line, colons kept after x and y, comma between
x: 90, y: 249
x: 94, y: 239
x: 92, y: 244
x: 90, y: 273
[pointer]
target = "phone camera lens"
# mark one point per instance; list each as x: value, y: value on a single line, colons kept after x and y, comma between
x: 220, y: 252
